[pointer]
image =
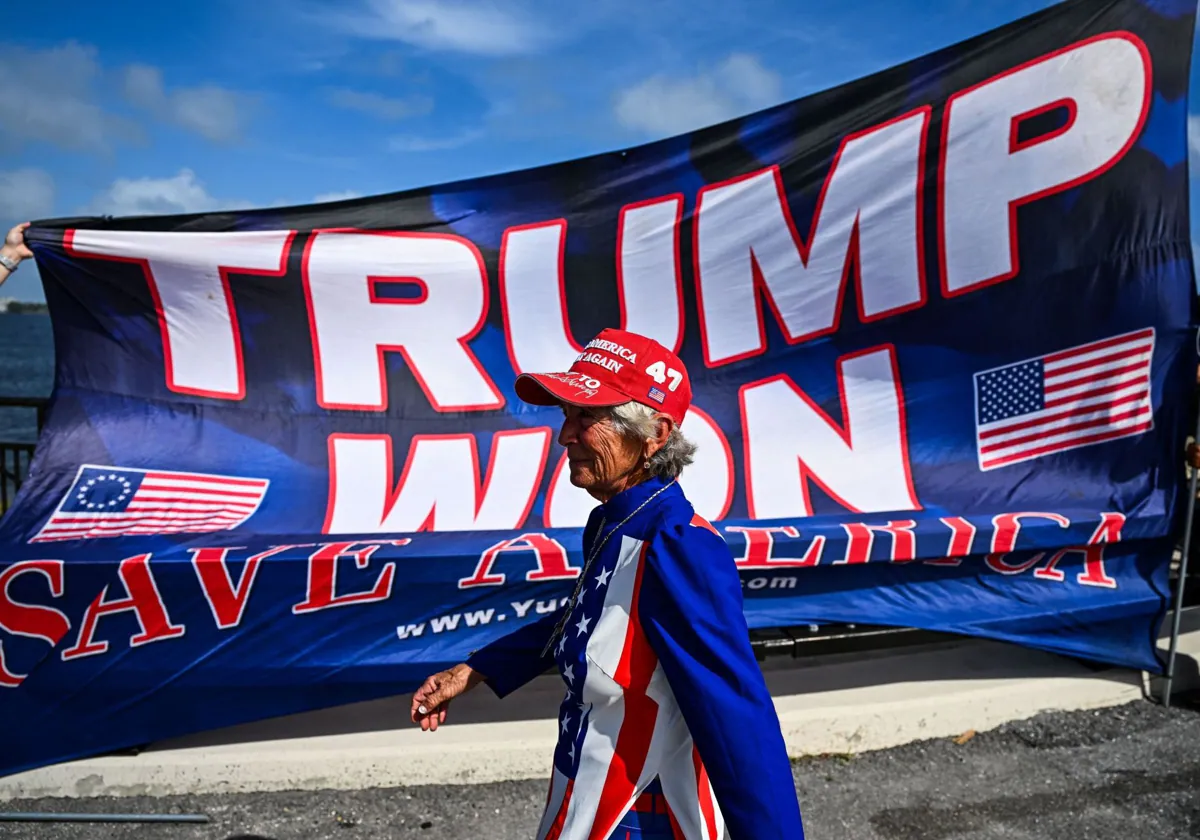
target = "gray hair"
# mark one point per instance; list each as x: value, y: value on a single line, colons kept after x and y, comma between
x: 634, y: 419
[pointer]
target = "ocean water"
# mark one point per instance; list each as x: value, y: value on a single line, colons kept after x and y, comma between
x: 26, y: 370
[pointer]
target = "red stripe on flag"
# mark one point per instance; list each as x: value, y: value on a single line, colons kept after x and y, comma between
x: 560, y: 819
x: 234, y: 507
x: 1096, y: 377
x: 1101, y: 360
x: 1099, y: 392
x: 183, y: 492
x: 634, y: 671
x: 1062, y: 415
x: 210, y: 479
x: 125, y: 527
x: 704, y: 796
x: 1063, y: 430
x: 1068, y: 444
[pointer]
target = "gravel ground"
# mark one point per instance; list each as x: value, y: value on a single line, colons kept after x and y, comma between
x: 1122, y: 773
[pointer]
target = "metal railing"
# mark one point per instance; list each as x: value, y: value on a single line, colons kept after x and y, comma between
x: 15, y: 457
x: 38, y: 404
x: 14, y: 466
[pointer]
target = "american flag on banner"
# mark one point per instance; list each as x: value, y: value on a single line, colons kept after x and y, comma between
x: 113, y: 501
x: 1076, y: 397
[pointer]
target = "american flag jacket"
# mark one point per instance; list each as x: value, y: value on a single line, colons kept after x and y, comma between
x: 663, y: 693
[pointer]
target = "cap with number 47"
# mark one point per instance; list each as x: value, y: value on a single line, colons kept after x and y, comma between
x: 616, y: 366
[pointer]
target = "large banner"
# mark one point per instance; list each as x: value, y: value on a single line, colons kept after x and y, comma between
x: 939, y: 321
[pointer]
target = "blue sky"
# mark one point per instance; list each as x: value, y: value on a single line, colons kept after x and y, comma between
x: 132, y: 106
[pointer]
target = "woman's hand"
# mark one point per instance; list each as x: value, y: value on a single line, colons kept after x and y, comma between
x: 432, y: 699
x: 1192, y: 455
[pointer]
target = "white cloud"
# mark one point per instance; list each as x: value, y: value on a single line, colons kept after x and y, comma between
x: 480, y: 27
x: 383, y: 107
x: 743, y: 74
x: 343, y: 195
x: 46, y: 96
x: 26, y: 194
x: 415, y: 143
x: 663, y: 105
x: 181, y: 193
x: 143, y: 86
x: 210, y: 111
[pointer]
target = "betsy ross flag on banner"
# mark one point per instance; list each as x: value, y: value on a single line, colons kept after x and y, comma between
x: 1076, y: 397
x: 112, y: 501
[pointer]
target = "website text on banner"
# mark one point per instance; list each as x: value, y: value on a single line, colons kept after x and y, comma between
x: 941, y: 330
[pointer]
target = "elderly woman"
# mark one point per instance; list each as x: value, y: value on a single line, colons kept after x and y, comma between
x: 667, y: 729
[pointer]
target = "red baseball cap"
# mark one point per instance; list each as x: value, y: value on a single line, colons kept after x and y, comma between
x: 615, y: 367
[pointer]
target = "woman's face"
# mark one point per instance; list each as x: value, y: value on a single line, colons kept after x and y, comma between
x: 603, y: 462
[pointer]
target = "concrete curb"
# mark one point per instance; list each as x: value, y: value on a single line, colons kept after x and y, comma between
x: 847, y: 704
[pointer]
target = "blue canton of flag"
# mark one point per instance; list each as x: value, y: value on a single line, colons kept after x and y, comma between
x: 112, y: 501
x: 1010, y: 391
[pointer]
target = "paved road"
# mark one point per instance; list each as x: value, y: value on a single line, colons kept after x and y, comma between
x: 1116, y: 774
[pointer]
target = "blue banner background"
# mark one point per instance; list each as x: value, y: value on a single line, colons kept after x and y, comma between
x: 1109, y: 256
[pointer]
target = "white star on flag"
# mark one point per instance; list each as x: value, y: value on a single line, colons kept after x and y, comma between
x: 602, y: 578
x: 566, y: 723
x: 583, y: 625
x: 569, y: 672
